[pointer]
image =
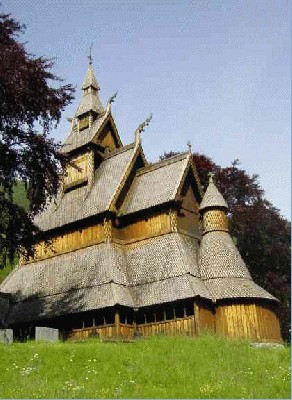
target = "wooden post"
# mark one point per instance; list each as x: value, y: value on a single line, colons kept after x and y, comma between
x: 196, y: 318
x: 117, y: 323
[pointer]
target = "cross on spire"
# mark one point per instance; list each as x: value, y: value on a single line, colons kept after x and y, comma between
x: 189, y: 146
x: 90, y: 54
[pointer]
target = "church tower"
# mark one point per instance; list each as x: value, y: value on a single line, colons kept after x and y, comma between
x: 242, y: 308
x: 121, y: 250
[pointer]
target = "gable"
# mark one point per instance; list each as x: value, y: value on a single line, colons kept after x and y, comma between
x: 102, y: 127
x: 189, y: 201
x: 107, y: 136
x: 84, y: 202
x: 154, y: 185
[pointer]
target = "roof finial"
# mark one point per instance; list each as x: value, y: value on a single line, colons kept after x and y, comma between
x: 90, y: 54
x: 190, y: 147
x: 211, y: 176
x: 141, y: 128
x: 111, y: 100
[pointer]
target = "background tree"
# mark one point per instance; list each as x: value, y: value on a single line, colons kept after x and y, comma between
x: 31, y: 101
x: 261, y: 234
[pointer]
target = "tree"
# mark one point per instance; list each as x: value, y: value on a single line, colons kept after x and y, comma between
x: 261, y: 234
x: 31, y: 101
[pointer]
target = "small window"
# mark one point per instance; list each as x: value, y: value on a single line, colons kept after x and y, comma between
x: 179, y: 310
x: 169, y: 312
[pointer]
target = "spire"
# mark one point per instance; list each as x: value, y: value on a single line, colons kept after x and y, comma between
x: 213, y: 209
x: 212, y: 197
x: 90, y: 79
x: 90, y: 100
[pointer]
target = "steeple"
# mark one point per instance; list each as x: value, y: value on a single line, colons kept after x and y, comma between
x: 213, y: 209
x: 90, y: 102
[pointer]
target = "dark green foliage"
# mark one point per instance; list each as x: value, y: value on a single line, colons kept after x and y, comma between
x: 30, y: 106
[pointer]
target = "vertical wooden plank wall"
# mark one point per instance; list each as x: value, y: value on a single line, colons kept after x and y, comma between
x: 206, y: 319
x: 177, y: 326
x: 69, y: 241
x: 250, y: 321
x: 156, y: 224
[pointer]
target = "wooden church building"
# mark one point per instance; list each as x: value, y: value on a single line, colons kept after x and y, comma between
x: 133, y: 248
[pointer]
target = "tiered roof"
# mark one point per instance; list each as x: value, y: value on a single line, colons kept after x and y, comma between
x: 82, y: 202
x: 222, y: 268
x: 152, y: 271
x: 90, y: 100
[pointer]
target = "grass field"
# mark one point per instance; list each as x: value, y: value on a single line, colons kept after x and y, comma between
x: 159, y: 367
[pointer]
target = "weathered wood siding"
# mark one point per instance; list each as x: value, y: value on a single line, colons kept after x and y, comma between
x: 108, y: 140
x: 188, y: 217
x: 178, y: 326
x: 156, y: 224
x: 78, y: 171
x: 104, y: 331
x: 70, y: 241
x: 189, y: 201
x: 188, y: 222
x: 206, y: 319
x: 250, y: 321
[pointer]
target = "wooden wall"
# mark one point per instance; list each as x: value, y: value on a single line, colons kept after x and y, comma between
x: 250, y: 321
x: 78, y: 171
x: 177, y: 326
x: 188, y: 220
x: 142, y: 228
x: 104, y: 331
x: 206, y: 318
x: 108, y: 141
x: 255, y: 322
x: 70, y: 241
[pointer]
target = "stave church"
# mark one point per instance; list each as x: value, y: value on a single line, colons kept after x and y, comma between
x: 130, y: 248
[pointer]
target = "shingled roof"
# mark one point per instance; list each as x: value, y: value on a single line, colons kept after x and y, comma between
x: 82, y: 202
x: 104, y: 275
x: 223, y: 270
x: 220, y: 264
x: 76, y: 139
x: 90, y: 100
x: 155, y: 184
x: 212, y: 197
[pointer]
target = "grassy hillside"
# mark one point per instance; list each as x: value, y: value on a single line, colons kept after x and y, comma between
x: 160, y: 367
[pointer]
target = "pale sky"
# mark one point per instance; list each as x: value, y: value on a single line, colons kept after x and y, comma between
x: 216, y: 73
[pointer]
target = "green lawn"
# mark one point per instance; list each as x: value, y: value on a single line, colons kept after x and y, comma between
x: 160, y: 367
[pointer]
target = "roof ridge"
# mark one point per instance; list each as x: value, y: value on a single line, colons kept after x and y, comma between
x: 119, y: 150
x: 162, y: 163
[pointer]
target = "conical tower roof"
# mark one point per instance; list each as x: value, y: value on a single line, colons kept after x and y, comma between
x: 212, y: 197
x: 90, y: 79
x: 221, y: 266
x: 90, y: 100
